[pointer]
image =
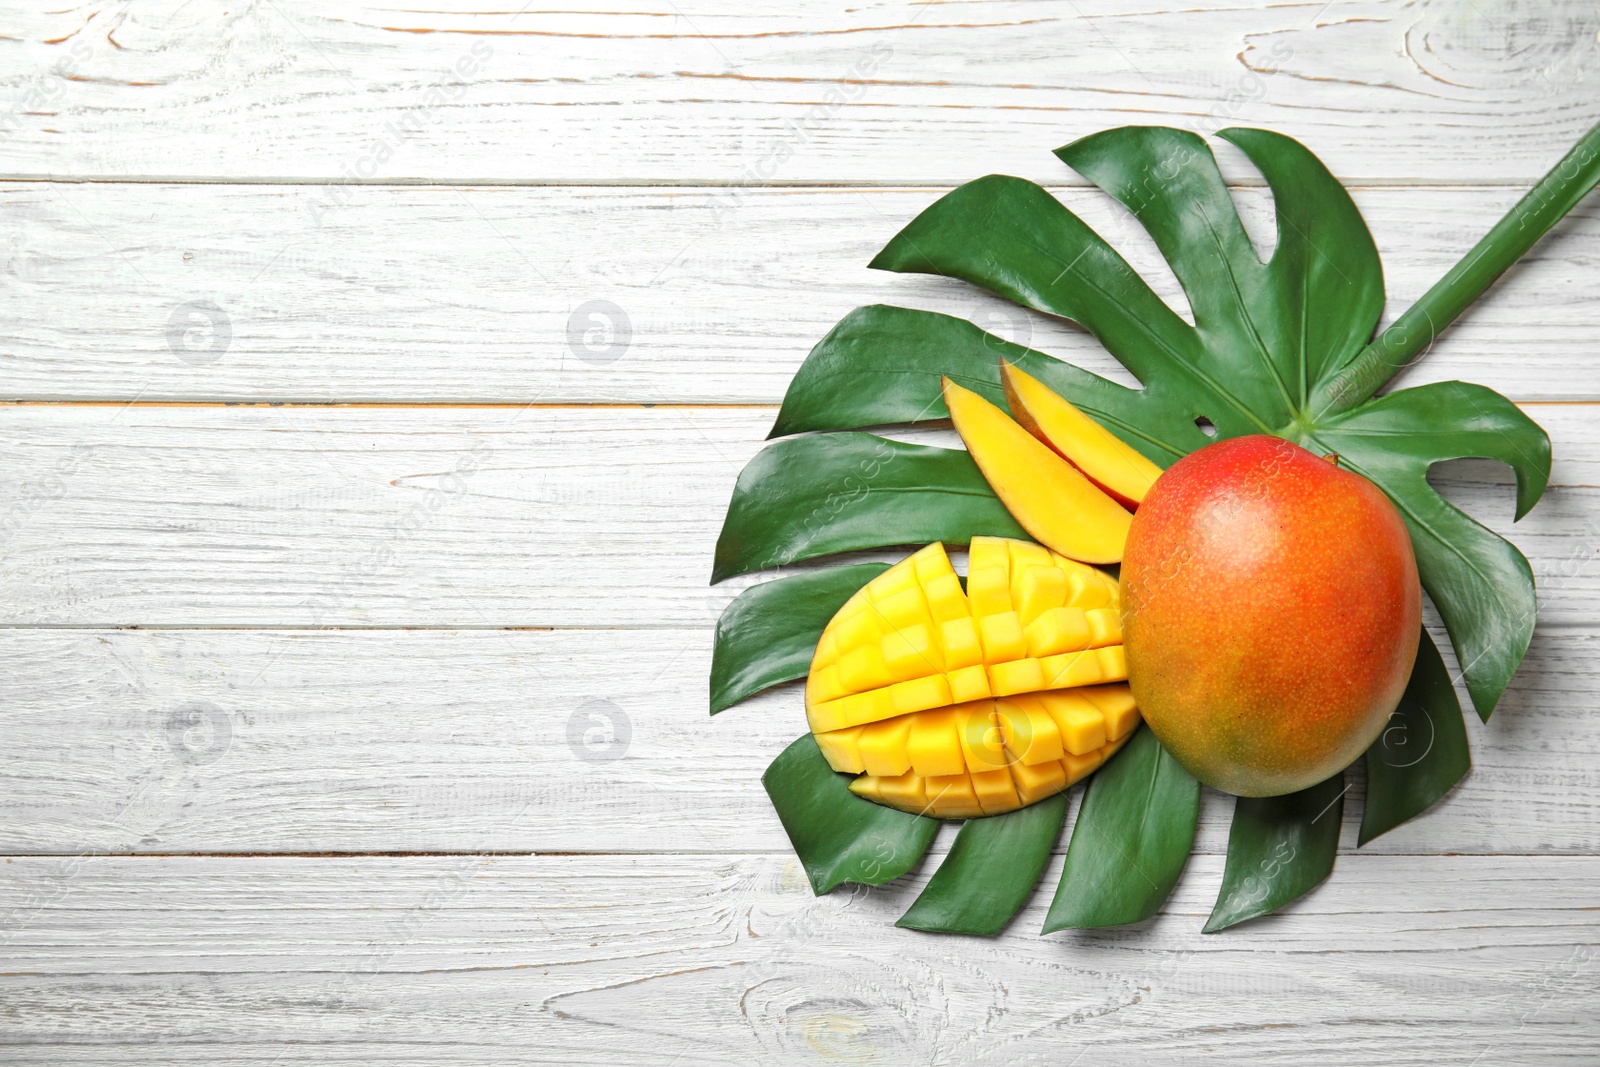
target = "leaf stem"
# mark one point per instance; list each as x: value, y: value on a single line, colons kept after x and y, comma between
x: 1413, y: 333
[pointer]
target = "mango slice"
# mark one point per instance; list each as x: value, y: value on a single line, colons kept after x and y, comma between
x: 1048, y: 496
x: 1103, y: 457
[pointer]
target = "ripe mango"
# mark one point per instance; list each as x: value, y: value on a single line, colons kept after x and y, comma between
x: 1271, y: 614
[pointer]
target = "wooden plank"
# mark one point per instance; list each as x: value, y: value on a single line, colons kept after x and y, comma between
x: 667, y: 959
x: 691, y: 937
x: 597, y: 740
x: 489, y: 294
x: 465, y: 517
x: 735, y: 91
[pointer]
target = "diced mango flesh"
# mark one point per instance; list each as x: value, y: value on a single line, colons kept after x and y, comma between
x: 973, y: 794
x: 959, y: 703
x: 985, y: 735
x: 956, y: 762
x: 911, y: 640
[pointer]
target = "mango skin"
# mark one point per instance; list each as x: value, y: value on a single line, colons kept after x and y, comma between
x: 1271, y: 614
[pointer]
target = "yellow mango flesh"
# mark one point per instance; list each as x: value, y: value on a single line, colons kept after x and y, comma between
x: 960, y: 704
x: 911, y: 640
x: 1097, y: 452
x: 1048, y: 496
x: 981, y: 790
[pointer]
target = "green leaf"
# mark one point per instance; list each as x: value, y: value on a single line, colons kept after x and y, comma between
x: 1012, y: 237
x: 1279, y: 347
x: 1422, y: 752
x: 881, y: 365
x: 1481, y: 584
x: 1281, y: 326
x: 1279, y: 849
x: 992, y: 868
x: 767, y: 635
x: 1131, y: 839
x: 1258, y: 327
x: 814, y: 496
x: 839, y: 836
x: 1269, y: 341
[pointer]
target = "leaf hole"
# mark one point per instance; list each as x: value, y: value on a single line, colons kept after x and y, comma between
x: 1207, y: 427
x: 1252, y: 200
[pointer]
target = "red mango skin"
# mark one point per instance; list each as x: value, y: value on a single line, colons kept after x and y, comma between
x: 1271, y: 613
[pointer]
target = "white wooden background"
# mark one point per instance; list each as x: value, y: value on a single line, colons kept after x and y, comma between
x: 301, y: 611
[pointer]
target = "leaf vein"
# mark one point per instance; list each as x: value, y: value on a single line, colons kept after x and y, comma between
x: 1244, y: 309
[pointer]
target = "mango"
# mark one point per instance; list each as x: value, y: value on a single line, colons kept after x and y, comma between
x: 959, y: 703
x: 1113, y: 466
x: 1049, y: 497
x: 1270, y: 614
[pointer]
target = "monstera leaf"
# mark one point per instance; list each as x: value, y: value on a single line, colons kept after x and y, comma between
x: 815, y: 496
x: 1284, y: 346
x: 1269, y: 340
x: 767, y: 635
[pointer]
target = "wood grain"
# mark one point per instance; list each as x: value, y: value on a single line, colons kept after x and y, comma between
x: 732, y: 91
x: 466, y: 517
x: 276, y: 628
x: 487, y: 294
x: 694, y: 959
x: 586, y: 741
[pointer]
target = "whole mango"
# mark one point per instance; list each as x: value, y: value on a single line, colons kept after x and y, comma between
x: 1271, y: 614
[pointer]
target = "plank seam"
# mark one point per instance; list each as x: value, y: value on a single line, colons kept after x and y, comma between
x: 507, y: 405
x: 23, y: 178
x: 527, y: 854
x: 1580, y: 627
